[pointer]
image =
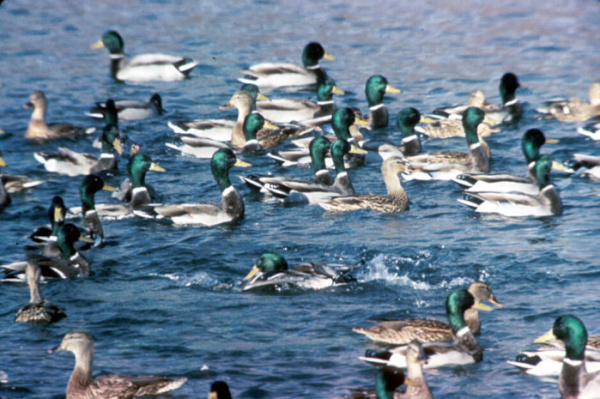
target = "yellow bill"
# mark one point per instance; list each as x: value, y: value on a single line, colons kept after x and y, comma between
x: 106, y: 187
x: 549, y: 336
x: 117, y: 146
x: 482, y: 306
x: 252, y: 273
x: 329, y: 57
x: 86, y: 239
x: 552, y: 141
x: 337, y: 90
x: 262, y: 97
x: 2, y: 162
x: 269, y: 125
x: 427, y: 119
x: 560, y: 167
x: 242, y: 164
x: 391, y: 89
x: 361, y: 122
x: 156, y: 168
x: 97, y: 45
x: 355, y: 150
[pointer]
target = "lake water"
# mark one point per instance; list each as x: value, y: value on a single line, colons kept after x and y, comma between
x: 165, y: 299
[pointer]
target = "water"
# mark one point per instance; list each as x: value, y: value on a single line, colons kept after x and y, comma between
x: 164, y: 299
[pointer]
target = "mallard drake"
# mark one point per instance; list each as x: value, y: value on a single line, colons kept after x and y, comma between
x: 312, y: 192
x: 254, y: 91
x: 135, y: 191
x: 545, y: 203
x: 447, y: 165
x: 587, y: 165
x: 38, y: 310
x: 272, y: 270
x: 375, y: 89
x: 511, y: 109
x: 56, y: 213
x: 90, y: 221
x: 574, y: 110
x: 395, y: 201
x: 387, y: 380
x: 16, y: 183
x: 274, y: 75
x: 205, y: 148
x: 463, y: 350
x: 71, y: 163
x: 145, y: 67
x: 531, y: 142
x: 476, y: 99
x: 131, y: 110
x: 304, y: 112
x: 38, y: 129
x: 219, y: 390
x: 574, y: 381
x: 401, y: 332
x: 406, y: 120
x: 230, y: 209
x: 83, y: 385
x: 70, y: 264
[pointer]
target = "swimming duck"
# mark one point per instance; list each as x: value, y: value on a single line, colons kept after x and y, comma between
x: 531, y: 142
x: 443, y: 129
x: 304, y: 112
x: 591, y: 129
x: 5, y: 199
x: 205, y: 148
x: 317, y: 149
x: 56, y: 213
x: 312, y: 192
x: 589, y: 165
x: 230, y: 209
x: 38, y: 129
x: 406, y: 120
x: 275, y: 75
x: 71, y: 163
x: 16, y: 183
x: 545, y: 203
x: 476, y: 99
x: 272, y: 270
x: 401, y: 332
x: 574, y: 381
x: 88, y: 188
x: 387, y: 380
x: 463, y: 350
x: 511, y: 109
x: 575, y: 110
x: 131, y: 110
x: 70, y: 264
x: 375, y: 89
x: 136, y: 191
x: 447, y: 165
x: 83, y: 385
x: 219, y: 390
x: 39, y: 310
x: 395, y: 201
x: 144, y: 67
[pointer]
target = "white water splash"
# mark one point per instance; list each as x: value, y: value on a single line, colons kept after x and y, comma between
x: 202, y: 279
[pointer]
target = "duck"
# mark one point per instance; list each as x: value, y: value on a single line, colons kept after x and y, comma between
x: 71, y: 163
x: 511, y: 109
x: 401, y: 332
x: 70, y: 264
x: 312, y: 192
x: 464, y: 349
x: 406, y: 120
x: 395, y: 201
x: 574, y: 382
x: 131, y: 110
x: 145, y: 67
x: 205, y: 148
x: 38, y: 129
x: 447, y: 128
x: 546, y: 202
x: 39, y: 310
x: 531, y: 142
x: 387, y: 380
x: 574, y: 110
x: 230, y: 209
x: 90, y: 221
x: 57, y: 213
x: 134, y: 190
x: 16, y: 183
x: 270, y: 75
x: 548, y: 359
x: 304, y: 112
x: 375, y: 89
x: 591, y: 129
x: 115, y: 386
x: 5, y: 199
x: 219, y: 390
x: 476, y: 99
x: 272, y: 271
x: 447, y: 165
x: 587, y: 165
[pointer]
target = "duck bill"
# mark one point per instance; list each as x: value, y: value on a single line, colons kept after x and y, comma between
x: 482, y: 306
x: 427, y: 119
x: 252, y: 273
x: 549, y: 336
x: 269, y: 125
x: 86, y: 239
x: 358, y: 151
x: 2, y: 162
x: 57, y: 348
x: 242, y: 164
x: 328, y: 57
x: 213, y: 395
x: 117, y: 146
x: 106, y: 187
x: 28, y: 105
x: 560, y: 167
x: 494, y: 302
x: 97, y: 45
x: 154, y: 167
x: 391, y: 89
x: 262, y: 97
x: 552, y: 141
x: 227, y: 105
x: 361, y: 122
x: 59, y: 215
x: 337, y: 90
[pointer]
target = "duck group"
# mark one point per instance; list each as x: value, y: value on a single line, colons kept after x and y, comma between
x: 296, y: 132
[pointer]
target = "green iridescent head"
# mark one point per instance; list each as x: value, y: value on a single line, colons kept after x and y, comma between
x: 113, y: 42
x: 339, y: 148
x: 458, y: 301
x: 252, y: 124
x: 508, y: 86
x: 542, y: 170
x: 318, y: 148
x: 326, y: 88
x: 67, y: 235
x: 88, y: 188
x: 138, y: 166
x: 312, y: 53
x: 406, y: 121
x: 571, y: 330
x: 375, y: 89
x: 471, y: 118
x: 532, y: 141
x: 386, y: 382
x: 341, y: 121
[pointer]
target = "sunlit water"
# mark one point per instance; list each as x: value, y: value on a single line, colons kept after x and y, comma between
x: 164, y: 299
